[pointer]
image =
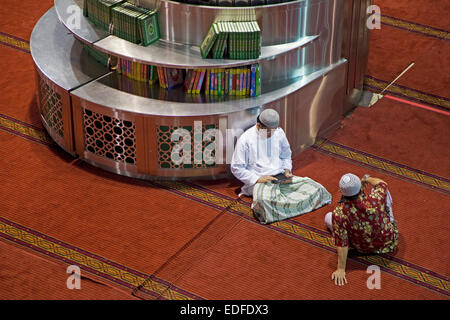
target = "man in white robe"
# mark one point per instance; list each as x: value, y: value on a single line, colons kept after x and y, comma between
x: 262, y: 152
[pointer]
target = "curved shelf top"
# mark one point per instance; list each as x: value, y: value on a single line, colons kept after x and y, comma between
x: 59, y: 56
x: 161, y: 53
x: 98, y: 93
x: 152, y: 3
x: 187, y: 57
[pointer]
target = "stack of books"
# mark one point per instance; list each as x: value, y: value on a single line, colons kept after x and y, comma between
x: 241, y: 81
x: 137, y: 71
x: 135, y: 24
x: 99, y: 11
x: 232, y: 40
x: 124, y: 20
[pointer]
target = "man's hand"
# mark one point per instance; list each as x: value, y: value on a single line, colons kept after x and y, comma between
x: 265, y: 179
x: 339, y: 277
x: 288, y: 173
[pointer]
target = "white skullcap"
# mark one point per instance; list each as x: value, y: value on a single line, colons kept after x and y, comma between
x: 270, y: 118
x: 350, y: 185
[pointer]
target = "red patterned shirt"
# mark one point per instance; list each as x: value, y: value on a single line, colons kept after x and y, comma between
x: 364, y: 224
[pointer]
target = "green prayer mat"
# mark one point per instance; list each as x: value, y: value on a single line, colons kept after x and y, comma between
x: 274, y: 202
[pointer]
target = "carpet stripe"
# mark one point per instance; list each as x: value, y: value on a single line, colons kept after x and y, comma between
x: 415, y: 27
x: 14, y: 42
x: 392, y: 168
x: 24, y: 130
x: 91, y: 263
x: 419, y: 96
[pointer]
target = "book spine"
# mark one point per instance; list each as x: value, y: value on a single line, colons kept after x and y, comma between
x: 200, y: 81
x: 258, y: 81
x: 253, y: 80
x: 223, y: 81
x: 219, y: 83
x: 211, y: 85
x: 238, y: 74
x: 216, y: 76
x: 241, y: 83
x: 208, y: 76
x: 248, y: 80
x: 227, y: 81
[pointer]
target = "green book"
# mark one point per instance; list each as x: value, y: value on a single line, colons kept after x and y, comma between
x: 253, y: 40
x: 209, y: 40
x: 258, y: 81
x: 248, y: 40
x: 245, y: 40
x: 223, y: 44
x: 223, y: 38
x: 218, y: 44
x: 85, y: 8
x: 231, y: 41
x: 149, y: 28
x: 241, y: 41
x: 258, y: 39
x: 215, y: 48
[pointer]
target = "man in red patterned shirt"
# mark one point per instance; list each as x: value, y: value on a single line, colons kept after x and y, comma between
x: 363, y: 223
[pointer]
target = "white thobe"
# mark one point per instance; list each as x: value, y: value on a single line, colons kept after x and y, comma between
x: 256, y: 156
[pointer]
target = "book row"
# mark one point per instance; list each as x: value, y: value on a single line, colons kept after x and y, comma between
x: 241, y: 81
x: 123, y: 19
x: 232, y: 40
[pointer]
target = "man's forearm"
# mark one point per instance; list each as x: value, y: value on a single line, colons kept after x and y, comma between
x: 374, y: 181
x: 342, y: 257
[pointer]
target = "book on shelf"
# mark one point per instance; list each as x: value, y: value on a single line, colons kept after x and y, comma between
x: 232, y: 40
x: 209, y: 41
x: 149, y: 28
x: 123, y: 19
x: 200, y: 81
x: 175, y: 77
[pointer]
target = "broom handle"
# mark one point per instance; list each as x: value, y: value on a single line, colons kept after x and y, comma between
x: 401, y: 74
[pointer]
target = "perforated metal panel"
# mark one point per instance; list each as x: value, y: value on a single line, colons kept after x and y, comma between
x: 109, y: 137
x: 194, y: 159
x: 51, y: 106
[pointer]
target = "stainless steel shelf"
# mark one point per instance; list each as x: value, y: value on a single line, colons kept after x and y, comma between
x: 85, y: 31
x: 101, y: 93
x: 187, y: 57
x: 59, y: 56
x: 162, y: 53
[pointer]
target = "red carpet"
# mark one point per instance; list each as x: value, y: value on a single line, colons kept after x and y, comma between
x: 194, y: 239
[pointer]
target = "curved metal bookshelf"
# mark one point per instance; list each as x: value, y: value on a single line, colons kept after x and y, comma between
x: 303, y: 77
